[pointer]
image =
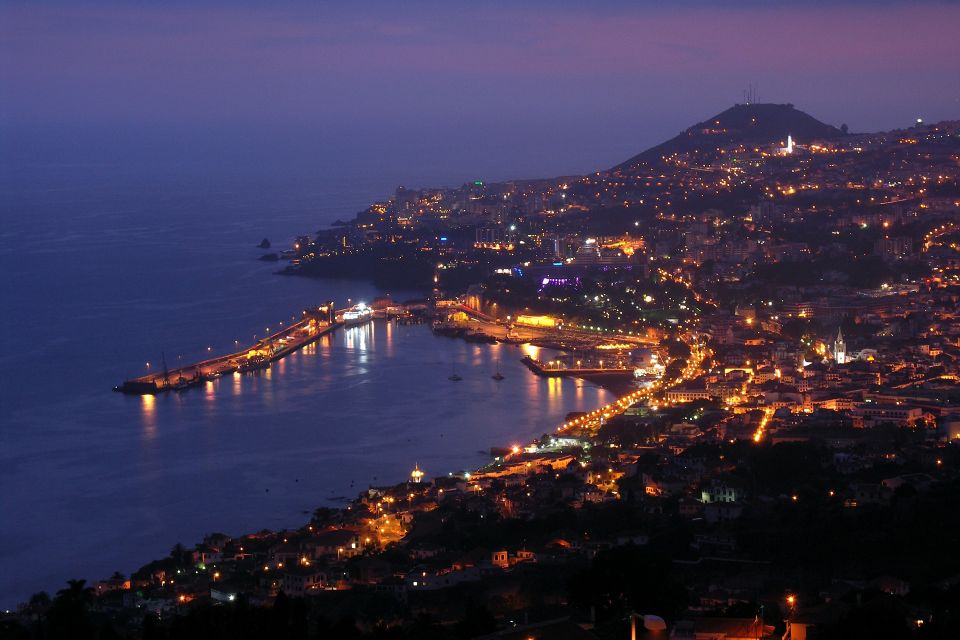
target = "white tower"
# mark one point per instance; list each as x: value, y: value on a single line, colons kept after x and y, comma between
x: 840, y: 348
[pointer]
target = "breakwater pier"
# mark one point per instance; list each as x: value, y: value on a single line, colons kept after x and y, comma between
x: 315, y: 323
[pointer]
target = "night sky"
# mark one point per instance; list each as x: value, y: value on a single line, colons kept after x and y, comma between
x: 599, y: 81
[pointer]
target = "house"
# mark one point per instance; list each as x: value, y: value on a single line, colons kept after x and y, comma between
x: 333, y: 543
x: 425, y: 581
x: 205, y: 554
x: 716, y: 543
x: 690, y: 508
x: 525, y: 555
x: 223, y: 593
x: 868, y: 493
x: 372, y: 569
x: 301, y: 580
x: 715, y: 512
x: 869, y: 414
x: 286, y: 553
x: 721, y: 629
x: 636, y: 538
x: 722, y: 490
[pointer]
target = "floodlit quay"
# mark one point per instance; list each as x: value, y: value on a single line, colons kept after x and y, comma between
x: 315, y: 323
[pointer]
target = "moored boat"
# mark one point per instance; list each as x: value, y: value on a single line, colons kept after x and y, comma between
x: 357, y: 314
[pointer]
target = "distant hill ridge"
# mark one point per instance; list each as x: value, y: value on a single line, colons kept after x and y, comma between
x: 741, y: 123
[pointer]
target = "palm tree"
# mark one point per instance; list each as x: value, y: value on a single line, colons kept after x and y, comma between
x: 181, y: 555
x: 68, y: 616
x: 39, y: 601
x: 77, y: 593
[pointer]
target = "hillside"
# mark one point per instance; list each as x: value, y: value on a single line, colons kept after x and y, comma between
x: 742, y: 123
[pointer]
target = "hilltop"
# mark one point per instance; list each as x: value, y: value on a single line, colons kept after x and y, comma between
x: 741, y: 123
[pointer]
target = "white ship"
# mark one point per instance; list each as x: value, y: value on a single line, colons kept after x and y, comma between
x: 357, y: 314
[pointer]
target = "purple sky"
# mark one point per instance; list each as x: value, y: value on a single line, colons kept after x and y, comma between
x: 605, y: 71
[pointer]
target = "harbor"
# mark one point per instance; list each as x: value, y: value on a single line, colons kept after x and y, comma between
x: 315, y: 323
x: 451, y: 318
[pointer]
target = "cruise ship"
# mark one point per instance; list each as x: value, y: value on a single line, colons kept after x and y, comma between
x: 357, y: 314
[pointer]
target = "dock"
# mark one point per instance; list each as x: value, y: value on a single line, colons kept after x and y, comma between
x: 315, y: 323
x: 558, y: 369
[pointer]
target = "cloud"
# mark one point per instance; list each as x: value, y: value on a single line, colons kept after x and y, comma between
x: 256, y: 60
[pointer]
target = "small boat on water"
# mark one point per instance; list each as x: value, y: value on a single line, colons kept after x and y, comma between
x: 182, y: 383
x: 498, y: 376
x: 479, y: 337
x: 136, y: 387
x: 252, y: 364
x: 454, y: 377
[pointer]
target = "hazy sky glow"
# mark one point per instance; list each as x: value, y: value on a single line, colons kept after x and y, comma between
x: 583, y: 70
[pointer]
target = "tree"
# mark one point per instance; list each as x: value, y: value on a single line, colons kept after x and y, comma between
x: 676, y: 348
x: 13, y: 630
x: 323, y: 516
x: 478, y: 621
x: 181, y: 555
x: 76, y: 592
x: 39, y: 601
x: 69, y: 615
x: 626, y: 579
x: 675, y: 369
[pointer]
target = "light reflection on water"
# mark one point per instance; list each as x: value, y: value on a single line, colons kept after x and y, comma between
x: 148, y: 403
x: 134, y: 475
x: 407, y: 362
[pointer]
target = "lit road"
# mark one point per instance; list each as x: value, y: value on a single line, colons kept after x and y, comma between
x: 590, y: 423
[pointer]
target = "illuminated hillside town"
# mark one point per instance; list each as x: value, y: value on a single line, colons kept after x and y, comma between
x: 773, y: 302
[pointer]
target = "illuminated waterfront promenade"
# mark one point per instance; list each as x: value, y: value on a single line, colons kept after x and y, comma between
x: 315, y: 323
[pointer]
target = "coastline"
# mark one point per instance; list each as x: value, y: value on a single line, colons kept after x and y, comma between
x: 294, y: 364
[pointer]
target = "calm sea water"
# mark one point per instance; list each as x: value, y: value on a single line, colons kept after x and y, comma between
x: 103, y: 269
